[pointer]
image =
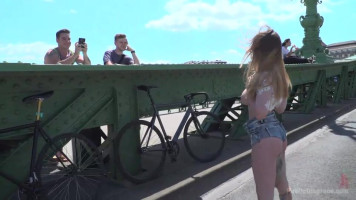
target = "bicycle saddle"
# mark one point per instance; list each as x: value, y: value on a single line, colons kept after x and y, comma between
x: 35, y: 97
x: 146, y: 87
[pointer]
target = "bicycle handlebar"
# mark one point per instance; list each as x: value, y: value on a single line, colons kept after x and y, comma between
x: 190, y: 96
x: 187, y: 97
x: 146, y: 88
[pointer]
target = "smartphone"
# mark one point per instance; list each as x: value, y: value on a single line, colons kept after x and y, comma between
x: 81, y: 41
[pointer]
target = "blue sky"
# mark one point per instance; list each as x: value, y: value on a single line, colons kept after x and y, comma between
x: 162, y: 31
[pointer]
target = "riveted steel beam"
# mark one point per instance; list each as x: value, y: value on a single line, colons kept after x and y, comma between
x: 91, y: 96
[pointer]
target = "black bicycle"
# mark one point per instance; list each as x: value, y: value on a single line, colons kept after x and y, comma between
x: 69, y: 166
x: 141, y: 147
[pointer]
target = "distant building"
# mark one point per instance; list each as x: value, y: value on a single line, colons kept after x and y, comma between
x: 206, y: 62
x: 342, y: 50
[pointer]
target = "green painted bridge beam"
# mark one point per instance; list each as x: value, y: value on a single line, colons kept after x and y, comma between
x: 91, y: 96
x: 342, y: 85
x: 314, y: 91
x: 330, y: 82
x: 352, y: 84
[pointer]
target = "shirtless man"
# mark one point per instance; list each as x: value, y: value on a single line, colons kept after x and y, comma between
x: 62, y: 54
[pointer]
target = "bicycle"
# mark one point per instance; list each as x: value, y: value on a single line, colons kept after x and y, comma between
x: 68, y: 166
x: 141, y: 147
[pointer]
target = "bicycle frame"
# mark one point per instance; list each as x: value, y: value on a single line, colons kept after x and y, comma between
x: 32, y: 176
x: 34, y: 125
x: 154, y: 144
x: 157, y: 107
x: 29, y: 187
x: 38, y: 130
x: 181, y: 124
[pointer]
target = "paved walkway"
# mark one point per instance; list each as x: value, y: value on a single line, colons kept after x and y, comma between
x: 319, y: 166
x: 315, y: 164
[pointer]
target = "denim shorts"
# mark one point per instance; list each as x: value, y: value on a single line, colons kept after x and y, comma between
x: 265, y: 128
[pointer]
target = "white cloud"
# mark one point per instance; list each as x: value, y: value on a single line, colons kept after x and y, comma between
x: 72, y: 11
x: 229, y: 55
x: 232, y: 51
x: 234, y: 55
x: 26, y: 53
x: 184, y: 15
x: 214, y: 53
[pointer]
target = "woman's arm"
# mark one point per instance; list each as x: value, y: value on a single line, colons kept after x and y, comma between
x: 244, y: 99
x: 262, y: 105
x: 281, y: 107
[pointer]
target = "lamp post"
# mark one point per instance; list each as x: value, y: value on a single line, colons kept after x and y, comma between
x: 311, y: 23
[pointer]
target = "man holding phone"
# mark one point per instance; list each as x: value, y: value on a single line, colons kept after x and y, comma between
x: 117, y: 55
x: 62, y: 54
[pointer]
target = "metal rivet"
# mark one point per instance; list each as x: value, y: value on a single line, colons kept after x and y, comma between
x: 28, y: 81
x: 16, y: 86
x: 15, y: 98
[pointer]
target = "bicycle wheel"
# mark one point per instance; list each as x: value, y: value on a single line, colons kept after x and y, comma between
x: 141, y: 151
x: 203, y: 138
x: 70, y: 167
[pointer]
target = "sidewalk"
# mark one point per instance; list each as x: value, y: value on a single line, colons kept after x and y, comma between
x: 319, y: 166
x: 188, y: 179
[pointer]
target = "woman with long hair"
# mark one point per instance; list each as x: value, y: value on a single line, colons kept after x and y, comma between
x: 288, y: 55
x: 266, y: 91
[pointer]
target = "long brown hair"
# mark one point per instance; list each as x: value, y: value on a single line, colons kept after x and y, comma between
x: 266, y: 62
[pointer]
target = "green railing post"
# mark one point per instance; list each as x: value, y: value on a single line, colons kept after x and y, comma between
x: 233, y: 117
x: 342, y: 85
x: 352, y: 84
x: 313, y: 92
x: 311, y: 23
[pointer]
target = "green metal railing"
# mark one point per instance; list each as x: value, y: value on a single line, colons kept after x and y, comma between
x: 92, y: 96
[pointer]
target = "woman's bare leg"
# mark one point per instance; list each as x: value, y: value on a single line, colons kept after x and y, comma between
x: 264, y: 157
x: 281, y: 176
